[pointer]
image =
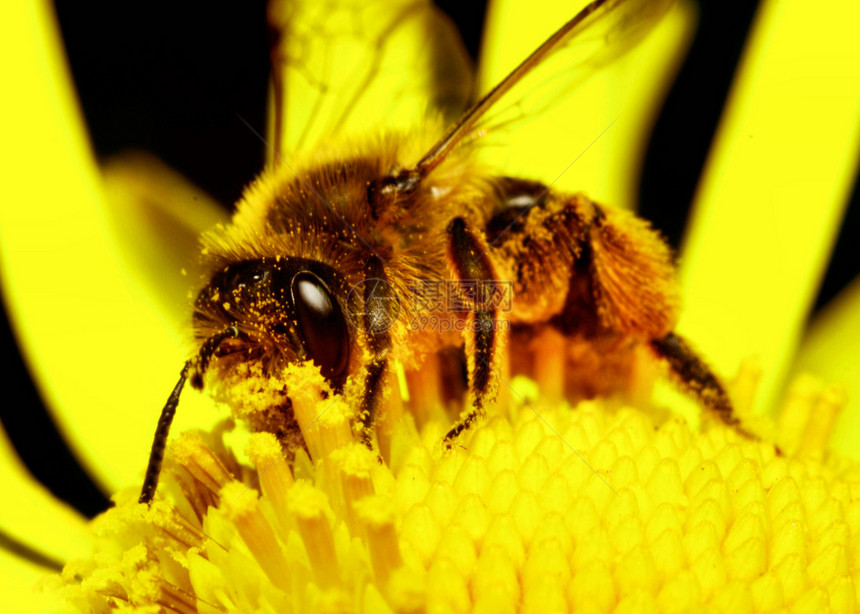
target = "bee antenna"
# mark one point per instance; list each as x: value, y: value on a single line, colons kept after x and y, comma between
x: 199, y: 363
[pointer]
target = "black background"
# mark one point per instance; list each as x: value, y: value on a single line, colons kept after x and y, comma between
x: 175, y: 80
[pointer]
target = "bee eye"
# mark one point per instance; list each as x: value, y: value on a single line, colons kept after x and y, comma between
x: 321, y: 323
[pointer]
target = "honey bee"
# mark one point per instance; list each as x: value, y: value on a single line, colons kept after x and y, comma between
x: 342, y: 256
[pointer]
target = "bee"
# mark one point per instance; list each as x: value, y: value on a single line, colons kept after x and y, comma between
x: 338, y: 257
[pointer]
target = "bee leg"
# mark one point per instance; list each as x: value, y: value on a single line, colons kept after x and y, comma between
x: 379, y: 301
x: 470, y: 259
x: 696, y: 378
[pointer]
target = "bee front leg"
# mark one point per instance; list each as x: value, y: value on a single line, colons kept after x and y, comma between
x: 476, y: 276
x: 379, y: 300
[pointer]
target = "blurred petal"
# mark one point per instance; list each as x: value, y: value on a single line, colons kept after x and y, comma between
x: 104, y: 352
x: 32, y: 516
x: 18, y: 592
x: 614, y: 109
x: 829, y: 351
x: 774, y: 190
x: 158, y: 216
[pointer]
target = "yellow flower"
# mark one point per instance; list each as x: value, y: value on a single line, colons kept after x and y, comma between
x: 541, y: 508
x: 598, y: 511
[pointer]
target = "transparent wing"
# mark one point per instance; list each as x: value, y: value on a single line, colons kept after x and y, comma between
x: 600, y: 34
x: 531, y: 106
x: 355, y: 66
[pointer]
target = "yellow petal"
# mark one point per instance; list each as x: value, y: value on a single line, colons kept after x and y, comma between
x: 774, y: 190
x: 829, y: 352
x: 158, y: 217
x: 18, y: 588
x: 33, y: 517
x: 103, y: 351
x: 594, y: 140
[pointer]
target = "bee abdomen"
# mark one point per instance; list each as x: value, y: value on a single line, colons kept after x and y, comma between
x: 536, y: 236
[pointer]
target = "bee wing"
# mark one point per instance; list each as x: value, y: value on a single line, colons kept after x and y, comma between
x: 351, y: 67
x: 598, y: 35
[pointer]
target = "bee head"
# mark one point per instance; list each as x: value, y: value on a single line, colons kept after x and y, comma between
x: 285, y: 310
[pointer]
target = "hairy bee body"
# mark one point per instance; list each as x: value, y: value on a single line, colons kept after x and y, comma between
x: 402, y: 250
x: 319, y: 211
x: 598, y: 278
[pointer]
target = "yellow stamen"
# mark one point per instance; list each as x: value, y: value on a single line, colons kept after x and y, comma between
x: 378, y: 518
x: 273, y: 471
x: 310, y: 509
x: 240, y: 507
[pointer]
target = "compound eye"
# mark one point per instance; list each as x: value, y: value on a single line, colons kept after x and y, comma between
x: 321, y: 324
